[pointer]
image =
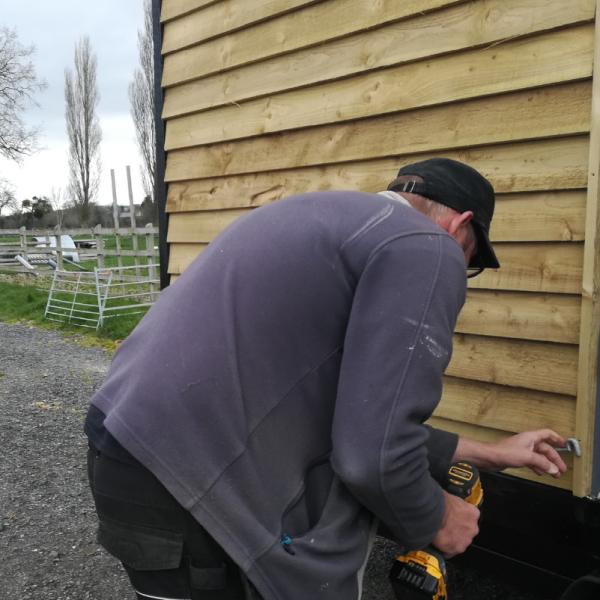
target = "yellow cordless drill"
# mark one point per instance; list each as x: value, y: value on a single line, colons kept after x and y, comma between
x: 421, y: 574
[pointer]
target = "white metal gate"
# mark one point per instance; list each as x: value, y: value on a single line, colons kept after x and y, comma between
x: 86, y: 299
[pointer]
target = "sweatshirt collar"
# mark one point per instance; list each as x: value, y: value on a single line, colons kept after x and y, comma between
x: 395, y: 196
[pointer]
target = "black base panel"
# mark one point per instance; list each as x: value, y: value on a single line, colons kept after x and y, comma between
x: 539, y: 536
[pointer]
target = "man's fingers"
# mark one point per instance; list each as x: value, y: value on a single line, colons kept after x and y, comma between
x: 549, y: 436
x: 544, y: 460
x: 552, y: 455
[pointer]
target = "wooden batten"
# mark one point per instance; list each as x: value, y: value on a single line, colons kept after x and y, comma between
x: 501, y: 407
x: 515, y: 362
x: 171, y: 9
x: 214, y: 20
x: 528, y: 316
x: 535, y: 267
x: 587, y: 388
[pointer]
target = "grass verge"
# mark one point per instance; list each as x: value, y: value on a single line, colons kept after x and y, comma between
x: 26, y: 304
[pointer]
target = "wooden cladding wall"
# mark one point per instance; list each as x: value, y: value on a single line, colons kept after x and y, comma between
x: 268, y: 98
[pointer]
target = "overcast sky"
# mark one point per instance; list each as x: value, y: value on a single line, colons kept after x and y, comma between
x: 53, y: 27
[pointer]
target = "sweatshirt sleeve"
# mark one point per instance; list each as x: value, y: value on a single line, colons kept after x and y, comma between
x: 441, y: 446
x: 398, y: 343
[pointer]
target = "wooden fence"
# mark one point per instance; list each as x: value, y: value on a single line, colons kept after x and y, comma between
x: 92, y: 247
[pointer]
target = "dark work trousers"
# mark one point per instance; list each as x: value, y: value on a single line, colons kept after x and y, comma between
x: 165, y: 551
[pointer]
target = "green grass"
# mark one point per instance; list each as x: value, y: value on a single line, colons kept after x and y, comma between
x: 110, y: 243
x: 25, y: 303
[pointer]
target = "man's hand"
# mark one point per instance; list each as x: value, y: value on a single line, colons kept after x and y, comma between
x: 533, y: 449
x: 459, y: 527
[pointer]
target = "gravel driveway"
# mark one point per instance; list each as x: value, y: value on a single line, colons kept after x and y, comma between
x: 47, y: 524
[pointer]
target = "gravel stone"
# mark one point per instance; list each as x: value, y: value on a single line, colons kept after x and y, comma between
x: 48, y: 549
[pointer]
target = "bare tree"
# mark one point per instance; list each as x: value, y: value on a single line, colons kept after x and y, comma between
x: 141, y: 101
x: 83, y: 128
x: 8, y: 199
x: 19, y: 86
x: 58, y: 203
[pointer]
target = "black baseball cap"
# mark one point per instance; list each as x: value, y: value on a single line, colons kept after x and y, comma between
x: 461, y: 188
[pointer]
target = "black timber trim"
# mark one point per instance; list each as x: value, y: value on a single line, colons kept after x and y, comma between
x: 538, y: 536
x: 160, y: 187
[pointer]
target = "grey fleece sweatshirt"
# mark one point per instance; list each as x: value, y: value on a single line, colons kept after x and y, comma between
x: 279, y: 387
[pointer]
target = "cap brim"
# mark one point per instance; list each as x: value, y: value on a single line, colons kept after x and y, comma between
x: 485, y: 257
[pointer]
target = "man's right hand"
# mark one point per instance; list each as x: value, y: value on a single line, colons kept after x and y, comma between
x: 460, y: 526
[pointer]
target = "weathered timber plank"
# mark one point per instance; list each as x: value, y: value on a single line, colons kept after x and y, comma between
x: 544, y: 112
x: 530, y: 316
x: 541, y: 317
x: 182, y: 255
x: 200, y: 226
x: 216, y: 19
x: 300, y: 29
x: 541, y: 366
x: 535, y: 267
x: 555, y: 57
x: 536, y: 216
x: 520, y: 167
x: 505, y: 408
x: 539, y: 217
x: 492, y: 435
x: 171, y: 9
x: 457, y: 28
x: 547, y: 216
x: 587, y: 388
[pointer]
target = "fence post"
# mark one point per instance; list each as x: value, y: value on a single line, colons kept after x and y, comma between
x: 99, y: 246
x: 59, y: 250
x: 134, y: 237
x: 116, y: 219
x: 150, y: 255
x: 23, y: 241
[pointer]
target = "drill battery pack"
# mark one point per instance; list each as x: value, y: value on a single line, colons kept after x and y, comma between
x: 419, y: 575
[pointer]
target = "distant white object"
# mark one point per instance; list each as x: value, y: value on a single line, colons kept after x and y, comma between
x: 66, y: 242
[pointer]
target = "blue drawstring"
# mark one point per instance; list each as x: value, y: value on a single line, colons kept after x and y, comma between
x: 286, y: 542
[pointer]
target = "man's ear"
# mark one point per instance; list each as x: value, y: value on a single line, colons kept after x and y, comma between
x: 458, y: 220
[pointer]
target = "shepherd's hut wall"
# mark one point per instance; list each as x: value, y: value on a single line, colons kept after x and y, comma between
x: 266, y: 98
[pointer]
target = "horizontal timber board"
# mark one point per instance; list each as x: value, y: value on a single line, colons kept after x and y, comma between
x: 542, y: 366
x: 556, y: 164
x: 535, y: 267
x: 457, y: 28
x: 312, y: 25
x: 505, y: 408
x: 542, y: 317
x: 200, y: 226
x: 541, y: 216
x: 556, y: 57
x: 539, y: 267
x: 529, y: 316
x: 170, y: 9
x: 544, y: 112
x: 492, y: 435
x: 182, y: 255
x: 215, y: 20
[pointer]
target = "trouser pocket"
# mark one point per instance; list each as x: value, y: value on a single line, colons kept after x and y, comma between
x: 165, y: 551
x: 141, y: 549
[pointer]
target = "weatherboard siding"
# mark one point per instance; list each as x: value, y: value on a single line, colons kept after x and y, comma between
x: 268, y: 98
